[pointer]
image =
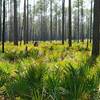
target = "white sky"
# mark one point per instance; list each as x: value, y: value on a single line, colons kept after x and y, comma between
x: 87, y: 3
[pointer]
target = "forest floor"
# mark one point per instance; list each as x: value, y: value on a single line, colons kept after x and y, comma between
x: 42, y: 68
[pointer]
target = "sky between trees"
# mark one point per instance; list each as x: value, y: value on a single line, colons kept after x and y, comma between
x: 86, y: 4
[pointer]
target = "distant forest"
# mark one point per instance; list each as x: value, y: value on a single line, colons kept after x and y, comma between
x: 48, y: 20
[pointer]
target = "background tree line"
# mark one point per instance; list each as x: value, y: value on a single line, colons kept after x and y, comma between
x: 48, y: 20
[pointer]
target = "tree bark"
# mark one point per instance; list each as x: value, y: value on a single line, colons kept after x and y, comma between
x: 63, y: 13
x: 27, y: 23
x: 15, y: 24
x: 3, y: 34
x: 82, y: 22
x: 96, y: 29
x: 0, y: 18
x: 91, y: 24
x: 51, y: 20
x: 24, y: 22
x: 78, y: 23
x: 70, y: 26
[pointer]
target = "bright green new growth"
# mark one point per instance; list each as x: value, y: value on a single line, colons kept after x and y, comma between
x: 49, y: 72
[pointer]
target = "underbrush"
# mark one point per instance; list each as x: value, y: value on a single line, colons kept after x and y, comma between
x: 57, y: 84
x: 49, y: 72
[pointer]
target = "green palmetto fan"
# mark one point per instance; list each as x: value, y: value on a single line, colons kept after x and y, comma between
x: 77, y: 84
x: 41, y: 96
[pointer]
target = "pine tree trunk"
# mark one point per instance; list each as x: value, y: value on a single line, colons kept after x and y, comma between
x: 24, y: 22
x: 70, y: 26
x: 63, y: 12
x: 0, y: 18
x: 27, y: 23
x: 96, y: 28
x: 15, y: 24
x: 82, y: 24
x: 51, y: 20
x: 78, y: 23
x: 91, y: 24
x: 3, y: 34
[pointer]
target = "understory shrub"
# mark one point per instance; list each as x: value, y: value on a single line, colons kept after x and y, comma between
x: 78, y: 84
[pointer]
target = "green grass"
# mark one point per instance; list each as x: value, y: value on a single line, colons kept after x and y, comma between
x: 50, y: 71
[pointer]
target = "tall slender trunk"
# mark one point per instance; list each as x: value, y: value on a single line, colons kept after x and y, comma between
x: 19, y: 26
x: 59, y: 28
x: 56, y: 19
x: 15, y: 24
x: 51, y: 20
x: 70, y: 26
x: 33, y: 37
x: 63, y: 13
x: 91, y: 23
x: 41, y: 21
x: 78, y: 23
x: 24, y: 21
x: 96, y: 29
x: 0, y: 18
x: 27, y: 23
x: 88, y: 31
x: 41, y: 26
x: 31, y: 24
x: 11, y: 30
x: 82, y: 24
x: 3, y: 34
x: 44, y: 21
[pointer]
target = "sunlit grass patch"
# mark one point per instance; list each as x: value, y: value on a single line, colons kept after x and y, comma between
x: 48, y: 70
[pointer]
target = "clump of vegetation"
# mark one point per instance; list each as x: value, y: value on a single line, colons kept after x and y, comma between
x: 79, y: 84
x: 49, y: 74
